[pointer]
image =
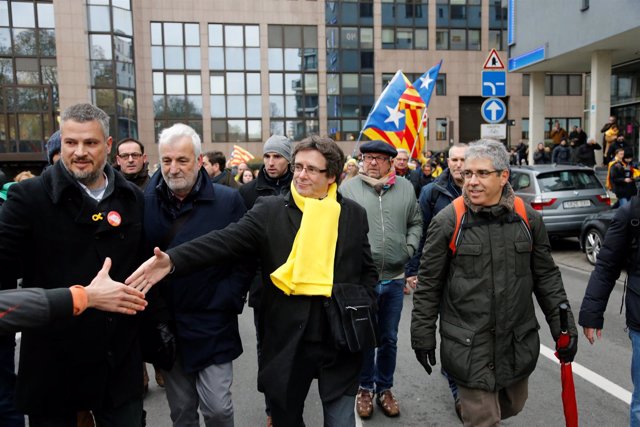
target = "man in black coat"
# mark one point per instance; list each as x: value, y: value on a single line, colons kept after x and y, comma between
x: 299, y: 346
x: 620, y: 250
x: 274, y: 178
x: 585, y: 153
x: 60, y: 227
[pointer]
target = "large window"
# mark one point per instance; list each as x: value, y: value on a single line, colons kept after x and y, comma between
x: 566, y: 123
x: 293, y: 80
x: 557, y: 85
x: 498, y: 14
x: 234, y: 65
x: 177, y: 85
x: 113, y: 79
x: 28, y: 76
x: 404, y: 24
x: 458, y: 24
x: 350, y: 66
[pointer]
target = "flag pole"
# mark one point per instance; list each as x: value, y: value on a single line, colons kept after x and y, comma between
x: 415, y: 140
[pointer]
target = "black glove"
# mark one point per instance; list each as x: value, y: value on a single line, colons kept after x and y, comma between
x: 566, y: 354
x: 427, y: 358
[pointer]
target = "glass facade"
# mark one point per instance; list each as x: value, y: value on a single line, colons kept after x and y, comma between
x: 350, y: 66
x: 177, y: 83
x: 293, y: 80
x: 404, y: 24
x: 235, y: 88
x: 557, y: 85
x: 458, y: 24
x: 29, y: 100
x: 113, y: 74
x: 498, y: 14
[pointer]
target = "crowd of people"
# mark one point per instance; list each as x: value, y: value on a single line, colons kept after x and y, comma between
x: 121, y: 266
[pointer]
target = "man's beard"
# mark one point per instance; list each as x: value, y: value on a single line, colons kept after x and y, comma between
x: 87, y: 178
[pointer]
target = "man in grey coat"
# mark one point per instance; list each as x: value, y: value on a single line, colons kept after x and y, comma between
x: 480, y: 284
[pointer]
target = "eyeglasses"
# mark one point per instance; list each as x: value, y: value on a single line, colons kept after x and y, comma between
x: 311, y: 170
x: 134, y: 156
x: 481, y: 174
x: 368, y: 158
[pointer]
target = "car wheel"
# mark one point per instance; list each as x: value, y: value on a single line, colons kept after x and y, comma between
x: 592, y: 245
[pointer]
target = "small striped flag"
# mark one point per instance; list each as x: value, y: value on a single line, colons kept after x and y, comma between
x: 240, y: 155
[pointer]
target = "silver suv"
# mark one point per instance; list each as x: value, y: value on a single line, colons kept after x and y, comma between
x: 565, y: 195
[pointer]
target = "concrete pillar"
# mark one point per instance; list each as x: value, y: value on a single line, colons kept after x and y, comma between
x: 536, y: 112
x: 600, y: 102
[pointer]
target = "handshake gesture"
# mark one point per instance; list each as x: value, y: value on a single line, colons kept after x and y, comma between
x: 150, y: 272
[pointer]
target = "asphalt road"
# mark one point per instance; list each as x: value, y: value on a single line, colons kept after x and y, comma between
x: 426, y: 401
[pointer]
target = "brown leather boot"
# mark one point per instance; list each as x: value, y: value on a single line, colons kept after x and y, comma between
x: 364, y: 403
x: 388, y: 403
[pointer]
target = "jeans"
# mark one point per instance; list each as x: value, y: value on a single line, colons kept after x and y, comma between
x: 635, y: 377
x: 379, y: 364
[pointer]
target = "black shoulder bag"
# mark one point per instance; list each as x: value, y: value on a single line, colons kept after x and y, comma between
x: 352, y: 317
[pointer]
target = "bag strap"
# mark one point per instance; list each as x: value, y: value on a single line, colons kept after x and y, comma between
x: 461, y: 210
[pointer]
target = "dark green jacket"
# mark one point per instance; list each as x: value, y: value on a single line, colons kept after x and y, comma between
x: 483, y: 295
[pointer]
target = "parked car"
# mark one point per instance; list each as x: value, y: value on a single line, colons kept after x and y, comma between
x: 564, y: 194
x: 592, y: 233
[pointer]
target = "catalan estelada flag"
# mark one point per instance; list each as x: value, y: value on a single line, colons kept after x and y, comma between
x: 240, y: 155
x: 386, y: 120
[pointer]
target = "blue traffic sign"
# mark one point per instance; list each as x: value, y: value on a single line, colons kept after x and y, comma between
x: 493, y: 110
x: 494, y: 83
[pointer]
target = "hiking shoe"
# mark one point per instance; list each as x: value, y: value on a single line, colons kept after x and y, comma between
x: 388, y: 403
x: 364, y: 403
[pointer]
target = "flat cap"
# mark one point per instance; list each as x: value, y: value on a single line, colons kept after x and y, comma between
x: 378, y: 147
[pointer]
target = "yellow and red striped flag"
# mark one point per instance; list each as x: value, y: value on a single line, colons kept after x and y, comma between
x: 240, y: 155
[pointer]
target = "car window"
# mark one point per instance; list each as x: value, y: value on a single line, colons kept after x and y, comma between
x: 568, y: 180
x: 521, y: 182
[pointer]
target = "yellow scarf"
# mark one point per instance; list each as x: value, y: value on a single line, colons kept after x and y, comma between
x: 309, y: 268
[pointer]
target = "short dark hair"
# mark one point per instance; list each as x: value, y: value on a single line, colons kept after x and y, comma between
x: 128, y: 139
x: 328, y: 148
x: 216, y: 157
x: 85, y: 112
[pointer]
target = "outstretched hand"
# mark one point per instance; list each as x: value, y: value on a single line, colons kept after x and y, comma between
x: 150, y: 272
x: 106, y: 294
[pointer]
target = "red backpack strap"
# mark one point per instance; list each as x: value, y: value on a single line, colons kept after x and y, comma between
x: 521, y: 210
x: 460, y: 209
